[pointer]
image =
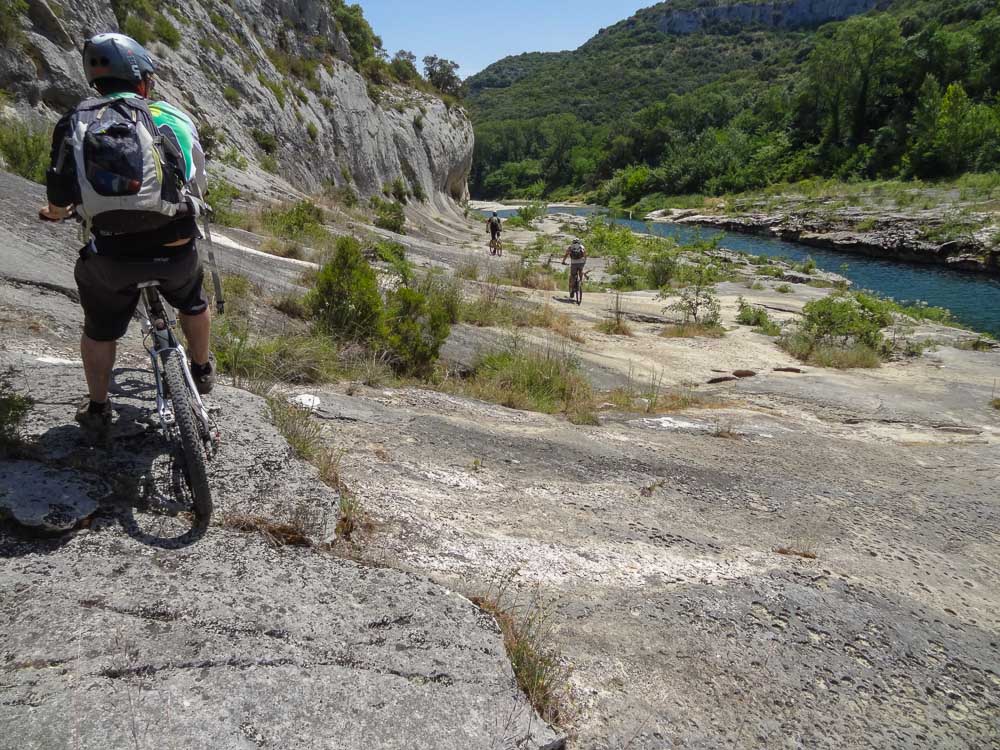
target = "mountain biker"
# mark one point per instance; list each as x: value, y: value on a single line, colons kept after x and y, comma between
x: 577, y: 255
x: 158, y: 247
x: 495, y: 227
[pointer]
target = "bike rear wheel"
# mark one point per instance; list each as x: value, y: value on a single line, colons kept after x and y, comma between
x: 190, y: 446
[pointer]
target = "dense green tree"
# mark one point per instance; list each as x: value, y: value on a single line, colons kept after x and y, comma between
x: 911, y: 91
x: 443, y: 75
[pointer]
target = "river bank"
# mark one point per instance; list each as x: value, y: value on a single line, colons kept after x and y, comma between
x: 927, y: 236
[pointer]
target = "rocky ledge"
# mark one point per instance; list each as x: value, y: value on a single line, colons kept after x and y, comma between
x: 896, y: 235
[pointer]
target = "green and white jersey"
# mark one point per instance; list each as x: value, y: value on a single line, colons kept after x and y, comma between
x: 176, y: 124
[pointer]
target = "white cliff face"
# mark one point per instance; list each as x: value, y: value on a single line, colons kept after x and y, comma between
x: 328, y: 128
x: 780, y: 14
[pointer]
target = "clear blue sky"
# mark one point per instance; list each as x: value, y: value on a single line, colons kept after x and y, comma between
x: 475, y: 33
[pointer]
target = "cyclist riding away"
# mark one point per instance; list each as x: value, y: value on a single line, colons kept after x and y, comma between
x: 134, y: 171
x: 577, y: 255
x: 496, y: 228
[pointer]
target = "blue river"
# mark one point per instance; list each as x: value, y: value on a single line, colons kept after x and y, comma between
x: 973, y: 299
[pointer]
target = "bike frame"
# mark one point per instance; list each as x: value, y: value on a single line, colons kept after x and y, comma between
x: 158, y: 328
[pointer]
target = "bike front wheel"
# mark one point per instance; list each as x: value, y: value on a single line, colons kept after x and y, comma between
x: 190, y: 446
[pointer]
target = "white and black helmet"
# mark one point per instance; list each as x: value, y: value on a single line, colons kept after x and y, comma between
x: 117, y: 57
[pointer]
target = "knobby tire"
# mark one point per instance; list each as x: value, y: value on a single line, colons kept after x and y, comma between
x: 192, y: 447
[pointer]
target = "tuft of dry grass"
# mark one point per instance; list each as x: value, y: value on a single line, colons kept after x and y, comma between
x: 295, y: 423
x: 726, y: 430
x: 469, y: 269
x: 615, y: 324
x: 277, y: 533
x: 292, y: 305
x: 526, y: 622
x: 650, y: 397
x: 614, y: 327
x: 995, y: 403
x: 791, y: 551
x: 283, y: 248
x: 693, y: 330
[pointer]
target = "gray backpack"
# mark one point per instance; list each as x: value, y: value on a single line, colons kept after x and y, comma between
x: 130, y: 178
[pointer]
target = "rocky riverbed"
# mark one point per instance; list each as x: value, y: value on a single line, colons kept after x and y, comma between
x: 801, y: 557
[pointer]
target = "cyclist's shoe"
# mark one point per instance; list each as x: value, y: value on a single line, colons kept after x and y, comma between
x: 95, y: 422
x: 204, y: 375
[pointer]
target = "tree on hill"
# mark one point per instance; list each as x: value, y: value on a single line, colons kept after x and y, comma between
x: 443, y: 75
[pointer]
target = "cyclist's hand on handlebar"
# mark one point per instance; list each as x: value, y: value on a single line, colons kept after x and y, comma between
x: 50, y: 212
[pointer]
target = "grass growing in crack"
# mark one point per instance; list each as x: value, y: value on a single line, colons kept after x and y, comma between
x: 304, y: 436
x: 693, y: 330
x: 542, y: 380
x: 752, y: 315
x: 292, y: 305
x: 650, y: 397
x: 844, y: 357
x: 793, y: 552
x: 615, y: 323
x: 13, y: 409
x: 494, y: 309
x: 995, y: 403
x: 278, y: 534
x: 526, y: 624
x: 299, y: 359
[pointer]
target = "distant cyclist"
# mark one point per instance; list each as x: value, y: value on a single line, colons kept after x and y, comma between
x: 496, y: 228
x: 577, y: 255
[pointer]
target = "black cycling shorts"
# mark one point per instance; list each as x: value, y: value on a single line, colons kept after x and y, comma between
x: 109, y: 295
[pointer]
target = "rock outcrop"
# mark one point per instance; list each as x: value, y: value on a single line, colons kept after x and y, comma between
x: 899, y: 236
x: 255, y: 70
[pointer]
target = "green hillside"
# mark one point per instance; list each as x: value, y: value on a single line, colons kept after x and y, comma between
x: 731, y: 96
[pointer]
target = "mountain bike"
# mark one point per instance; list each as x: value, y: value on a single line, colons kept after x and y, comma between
x: 496, y: 246
x: 183, y: 417
x: 576, y: 284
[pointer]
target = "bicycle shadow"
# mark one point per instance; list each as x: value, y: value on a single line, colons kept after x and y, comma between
x: 132, y: 480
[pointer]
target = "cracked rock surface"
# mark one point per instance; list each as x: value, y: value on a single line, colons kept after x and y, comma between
x: 138, y: 631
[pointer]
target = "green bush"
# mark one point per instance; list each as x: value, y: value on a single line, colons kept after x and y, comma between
x: 220, y: 197
x: 166, y: 32
x: 312, y: 130
x: 397, y: 189
x: 417, y: 328
x: 25, y: 148
x: 268, y: 142
x: 389, y: 215
x: 219, y: 22
x: 394, y: 254
x: 269, y: 163
x: 299, y: 221
x: 698, y: 302
x: 842, y: 330
x: 537, y: 380
x: 13, y: 409
x: 532, y: 211
x: 138, y: 29
x: 300, y: 359
x: 345, y: 301
x: 443, y: 291
x: 231, y: 95
x: 751, y: 315
x: 275, y: 88
x: 10, y: 13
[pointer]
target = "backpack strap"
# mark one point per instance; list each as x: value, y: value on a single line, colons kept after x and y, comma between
x: 201, y: 208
